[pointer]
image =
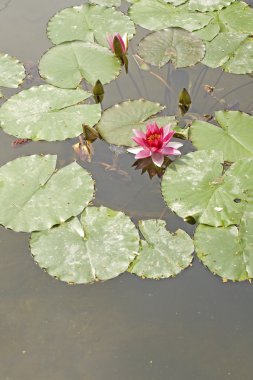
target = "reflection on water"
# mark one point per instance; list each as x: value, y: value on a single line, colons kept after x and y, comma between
x: 192, y: 327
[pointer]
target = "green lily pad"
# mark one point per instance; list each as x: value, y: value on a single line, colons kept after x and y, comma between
x: 106, y: 3
x: 232, y: 51
x: 88, y: 23
x: 117, y: 123
x: 195, y: 187
x: 12, y: 72
x: 178, y: 45
x: 157, y: 15
x: 211, y: 30
x: 34, y: 197
x: 99, y: 248
x: 238, y: 17
x: 48, y: 113
x: 234, y: 138
x: 162, y: 253
x: 208, y: 5
x: 67, y: 64
x: 176, y: 2
x: 228, y: 251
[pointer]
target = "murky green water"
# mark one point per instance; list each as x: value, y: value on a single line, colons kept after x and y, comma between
x: 192, y: 327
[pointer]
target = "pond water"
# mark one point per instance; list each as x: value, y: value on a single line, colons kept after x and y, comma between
x: 191, y: 327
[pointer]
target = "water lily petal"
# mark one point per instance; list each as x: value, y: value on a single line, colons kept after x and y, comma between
x: 157, y: 158
x: 110, y: 41
x: 167, y: 137
x: 166, y: 129
x: 140, y: 141
x: 135, y: 150
x: 174, y: 144
x: 170, y: 151
x: 125, y: 39
x: 139, y: 133
x: 143, y: 154
x: 122, y: 43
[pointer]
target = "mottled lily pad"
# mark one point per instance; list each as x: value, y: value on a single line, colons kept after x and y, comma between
x: 88, y: 23
x: 195, y: 187
x: 99, y: 248
x: 35, y: 197
x: 157, y: 15
x: 106, y: 3
x: 234, y: 138
x: 48, y: 113
x: 208, y: 5
x: 175, y: 44
x: 12, y: 72
x: 232, y: 51
x: 176, y: 2
x: 67, y: 64
x: 228, y: 251
x: 117, y: 123
x: 236, y: 18
x: 162, y: 253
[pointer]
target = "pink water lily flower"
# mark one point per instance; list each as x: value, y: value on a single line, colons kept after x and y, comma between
x: 123, y: 41
x: 155, y: 143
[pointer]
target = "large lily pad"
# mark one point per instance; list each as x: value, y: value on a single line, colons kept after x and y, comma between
x: 34, y: 197
x: 234, y: 138
x: 195, y: 187
x: 157, y: 15
x: 117, y: 123
x: 176, y: 2
x: 175, y: 44
x: 208, y: 5
x: 236, y: 18
x: 228, y: 251
x: 106, y: 3
x: 12, y: 72
x: 48, y: 113
x: 232, y: 51
x: 88, y: 23
x: 162, y: 253
x: 67, y: 64
x: 99, y: 248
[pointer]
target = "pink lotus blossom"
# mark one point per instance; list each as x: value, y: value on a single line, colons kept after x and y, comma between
x: 155, y: 143
x: 123, y: 42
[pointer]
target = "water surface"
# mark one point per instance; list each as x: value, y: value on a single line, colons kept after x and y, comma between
x: 192, y: 327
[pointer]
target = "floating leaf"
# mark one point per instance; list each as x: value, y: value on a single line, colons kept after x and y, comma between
x: 12, y: 72
x: 88, y: 23
x: 178, y: 45
x: 234, y: 138
x: 106, y: 3
x: 210, y: 30
x: 195, y: 186
x: 47, y: 113
x: 238, y: 17
x: 67, y: 64
x: 228, y: 251
x: 34, y: 197
x: 162, y: 254
x: 99, y: 248
x: 176, y: 2
x: 232, y: 51
x: 208, y: 5
x: 157, y: 15
x: 117, y: 123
